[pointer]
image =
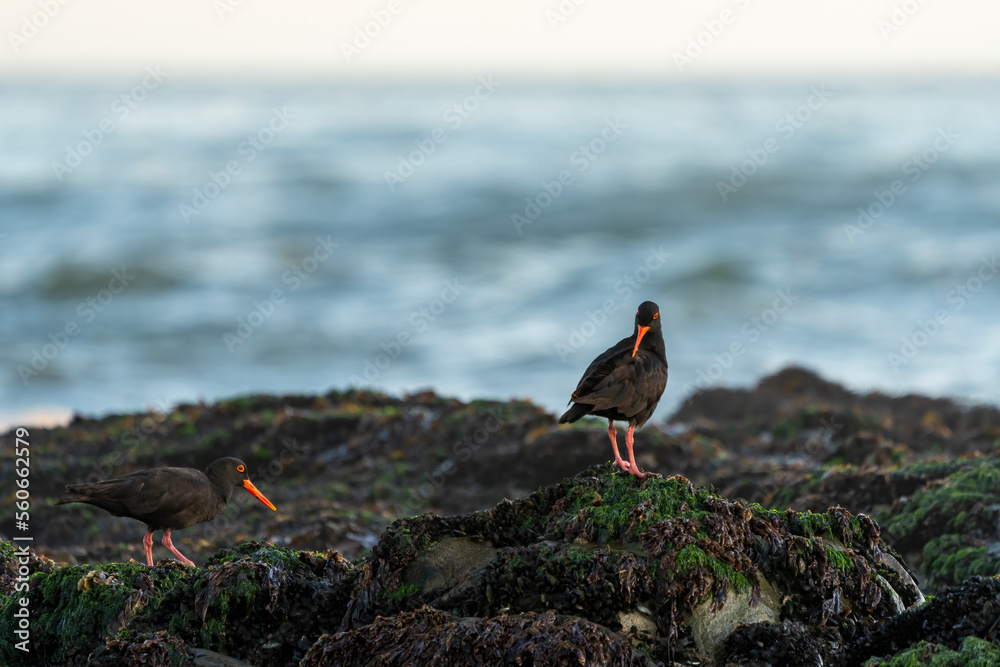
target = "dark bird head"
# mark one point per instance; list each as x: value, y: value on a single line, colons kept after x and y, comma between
x: 647, y: 318
x: 228, y: 473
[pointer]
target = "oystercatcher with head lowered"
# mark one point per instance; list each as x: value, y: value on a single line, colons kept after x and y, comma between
x: 625, y: 383
x: 167, y: 498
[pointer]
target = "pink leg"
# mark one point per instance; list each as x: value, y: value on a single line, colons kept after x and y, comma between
x: 614, y: 446
x: 147, y: 545
x: 631, y: 457
x: 170, y: 545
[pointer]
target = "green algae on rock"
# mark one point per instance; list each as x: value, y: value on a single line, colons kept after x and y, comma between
x: 376, y: 458
x: 955, y: 523
x: 600, y: 567
x: 610, y: 549
x: 255, y: 601
x: 75, y: 607
x: 970, y: 609
x: 260, y: 602
x: 345, y: 464
x: 972, y: 652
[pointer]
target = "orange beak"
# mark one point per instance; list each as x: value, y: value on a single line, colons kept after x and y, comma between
x: 642, y: 332
x: 257, y: 494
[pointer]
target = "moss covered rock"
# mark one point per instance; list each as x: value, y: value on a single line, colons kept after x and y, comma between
x: 972, y: 652
x: 673, y: 567
x: 971, y: 609
x: 952, y: 524
x: 254, y: 602
x: 633, y: 569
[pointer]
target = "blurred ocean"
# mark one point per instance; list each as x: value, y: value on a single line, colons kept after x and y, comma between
x: 166, y: 241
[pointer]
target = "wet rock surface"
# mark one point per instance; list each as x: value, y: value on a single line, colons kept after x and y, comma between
x: 617, y: 551
x: 601, y: 568
x: 428, y: 636
x: 971, y: 609
x: 256, y: 603
x: 785, y: 643
x: 744, y: 564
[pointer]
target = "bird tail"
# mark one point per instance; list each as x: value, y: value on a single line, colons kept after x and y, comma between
x: 574, y: 413
x: 71, y: 497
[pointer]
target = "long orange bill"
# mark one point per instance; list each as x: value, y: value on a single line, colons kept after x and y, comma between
x: 257, y: 494
x: 642, y: 332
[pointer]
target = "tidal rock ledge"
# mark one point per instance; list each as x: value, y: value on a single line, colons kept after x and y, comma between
x: 601, y: 568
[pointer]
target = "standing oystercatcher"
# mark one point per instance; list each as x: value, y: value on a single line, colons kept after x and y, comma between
x: 625, y: 383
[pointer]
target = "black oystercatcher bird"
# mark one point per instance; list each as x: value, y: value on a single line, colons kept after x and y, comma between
x: 167, y: 498
x: 625, y: 383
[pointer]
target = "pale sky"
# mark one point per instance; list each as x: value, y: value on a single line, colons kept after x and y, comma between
x: 441, y: 38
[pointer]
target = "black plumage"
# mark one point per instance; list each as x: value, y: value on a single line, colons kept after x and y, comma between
x: 625, y: 382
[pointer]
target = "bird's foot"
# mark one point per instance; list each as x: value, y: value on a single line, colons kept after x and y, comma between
x: 629, y: 441
x: 168, y: 543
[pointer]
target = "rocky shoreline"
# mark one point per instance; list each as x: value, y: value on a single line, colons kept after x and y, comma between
x: 797, y: 523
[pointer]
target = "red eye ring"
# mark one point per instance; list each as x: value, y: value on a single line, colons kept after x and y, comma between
x: 655, y: 315
x: 241, y: 468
